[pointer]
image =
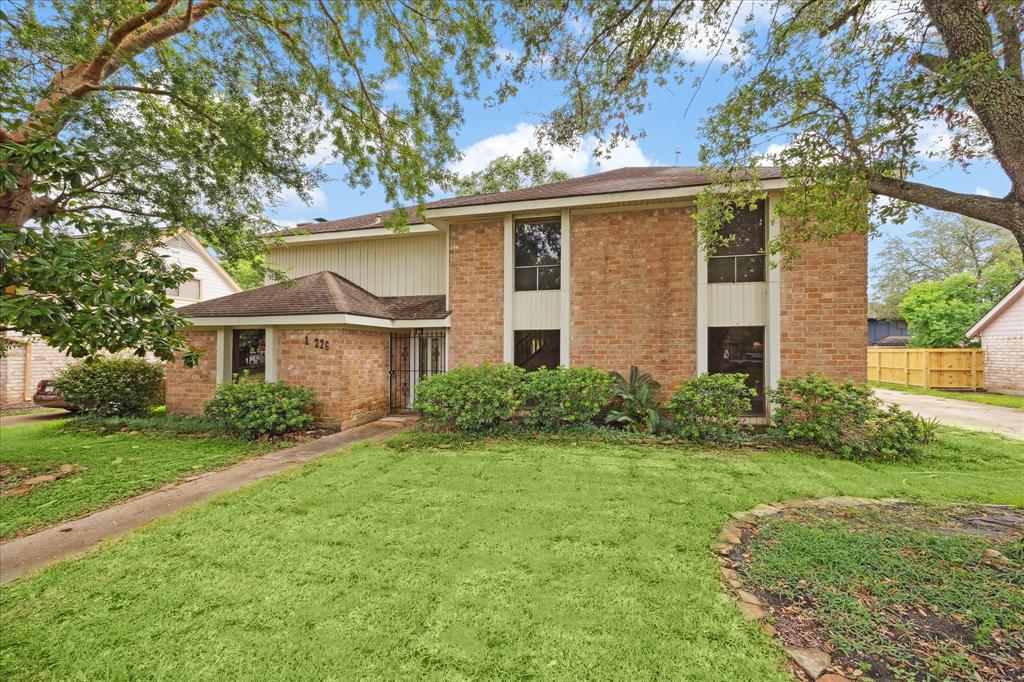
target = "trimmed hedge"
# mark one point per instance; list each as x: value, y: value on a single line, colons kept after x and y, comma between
x: 565, y: 395
x: 711, y: 407
x: 471, y: 398
x: 845, y: 419
x: 251, y: 409
x: 112, y: 386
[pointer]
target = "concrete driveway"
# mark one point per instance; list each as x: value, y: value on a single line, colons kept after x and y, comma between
x: 1004, y: 420
x: 32, y: 417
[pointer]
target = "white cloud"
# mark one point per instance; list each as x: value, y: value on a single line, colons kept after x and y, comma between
x: 983, y: 191
x: 290, y: 204
x: 933, y: 139
x: 574, y: 161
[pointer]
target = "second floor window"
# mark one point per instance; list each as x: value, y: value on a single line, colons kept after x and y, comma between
x: 189, y: 291
x: 538, y: 254
x: 743, y: 259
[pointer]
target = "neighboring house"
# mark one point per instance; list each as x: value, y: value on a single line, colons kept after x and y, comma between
x: 600, y: 270
x: 1001, y: 331
x: 887, y: 332
x: 29, y: 360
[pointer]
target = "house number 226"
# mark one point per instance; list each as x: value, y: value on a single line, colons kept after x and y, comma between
x: 322, y: 344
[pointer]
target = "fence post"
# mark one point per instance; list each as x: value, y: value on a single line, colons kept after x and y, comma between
x: 906, y: 367
x: 927, y: 368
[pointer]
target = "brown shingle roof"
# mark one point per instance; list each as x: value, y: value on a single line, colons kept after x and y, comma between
x: 630, y: 179
x: 321, y: 293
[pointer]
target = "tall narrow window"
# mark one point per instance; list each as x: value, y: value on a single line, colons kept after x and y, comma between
x: 538, y: 254
x: 742, y: 260
x: 249, y: 352
x: 739, y: 350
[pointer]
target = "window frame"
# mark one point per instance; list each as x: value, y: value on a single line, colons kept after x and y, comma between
x: 762, y: 208
x: 257, y: 371
x: 516, y: 267
x: 175, y: 293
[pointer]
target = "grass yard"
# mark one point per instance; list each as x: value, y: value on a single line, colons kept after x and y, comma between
x: 101, y: 469
x: 547, y: 559
x: 1014, y: 401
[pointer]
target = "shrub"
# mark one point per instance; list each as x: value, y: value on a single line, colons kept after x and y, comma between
x: 845, y: 419
x: 710, y: 406
x: 112, y: 386
x: 567, y: 395
x: 637, y: 406
x: 471, y: 398
x: 251, y: 409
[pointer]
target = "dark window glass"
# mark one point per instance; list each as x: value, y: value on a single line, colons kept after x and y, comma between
x: 739, y: 350
x: 249, y: 352
x: 536, y: 348
x: 741, y: 260
x: 538, y: 254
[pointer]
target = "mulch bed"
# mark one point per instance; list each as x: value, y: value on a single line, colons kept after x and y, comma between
x: 917, y: 633
x: 20, y: 480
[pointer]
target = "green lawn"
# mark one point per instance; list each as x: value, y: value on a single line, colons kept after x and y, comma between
x: 112, y: 467
x: 550, y: 560
x: 1014, y: 401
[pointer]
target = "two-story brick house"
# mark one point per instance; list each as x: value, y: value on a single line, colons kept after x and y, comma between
x: 600, y: 270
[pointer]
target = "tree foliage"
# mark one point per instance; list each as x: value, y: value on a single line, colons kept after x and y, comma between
x: 939, y: 313
x: 946, y: 245
x: 122, y: 119
x: 507, y: 173
x: 846, y: 89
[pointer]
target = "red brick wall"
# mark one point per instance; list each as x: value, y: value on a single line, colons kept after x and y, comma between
x: 824, y: 310
x: 634, y: 292
x: 188, y: 388
x: 350, y: 376
x: 476, y: 293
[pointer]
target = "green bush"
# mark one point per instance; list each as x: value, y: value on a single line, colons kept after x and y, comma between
x: 112, y: 386
x: 251, y: 409
x: 711, y: 406
x: 637, y: 406
x: 471, y: 398
x: 844, y: 419
x: 566, y: 395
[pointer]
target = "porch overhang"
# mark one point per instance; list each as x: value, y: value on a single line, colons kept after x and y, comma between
x: 318, y: 321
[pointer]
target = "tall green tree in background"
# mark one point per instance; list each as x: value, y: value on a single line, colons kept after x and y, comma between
x: 946, y: 245
x: 507, y: 173
x: 123, y: 118
x: 847, y: 89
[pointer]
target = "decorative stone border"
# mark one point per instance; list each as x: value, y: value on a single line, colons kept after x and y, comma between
x: 812, y: 661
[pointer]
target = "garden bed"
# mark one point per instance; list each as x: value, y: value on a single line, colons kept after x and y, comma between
x: 887, y: 590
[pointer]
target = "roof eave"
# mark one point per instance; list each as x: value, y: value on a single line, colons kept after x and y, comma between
x: 580, y: 200
x: 321, y: 319
x: 348, y: 235
x: 996, y: 310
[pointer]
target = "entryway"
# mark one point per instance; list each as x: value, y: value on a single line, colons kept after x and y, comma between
x: 415, y: 355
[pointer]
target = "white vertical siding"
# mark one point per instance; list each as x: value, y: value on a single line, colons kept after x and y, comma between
x: 392, y: 266
x: 212, y: 283
x: 537, y: 309
x: 737, y: 305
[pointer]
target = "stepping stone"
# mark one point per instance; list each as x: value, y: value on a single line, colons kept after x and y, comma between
x: 748, y: 598
x: 751, y: 611
x: 813, y: 661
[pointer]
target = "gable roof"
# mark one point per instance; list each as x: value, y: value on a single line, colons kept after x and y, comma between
x: 201, y: 251
x: 1004, y: 303
x: 317, y: 294
x: 629, y: 179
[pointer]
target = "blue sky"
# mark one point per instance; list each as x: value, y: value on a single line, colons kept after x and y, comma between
x: 667, y: 128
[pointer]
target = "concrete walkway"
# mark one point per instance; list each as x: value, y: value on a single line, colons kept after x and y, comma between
x: 966, y: 415
x: 32, y: 418
x: 30, y: 553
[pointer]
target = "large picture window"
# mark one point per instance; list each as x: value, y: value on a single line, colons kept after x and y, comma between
x: 538, y: 259
x: 739, y: 350
x: 249, y: 352
x: 742, y: 260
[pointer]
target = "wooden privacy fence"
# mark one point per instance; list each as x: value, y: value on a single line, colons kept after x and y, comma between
x: 952, y: 368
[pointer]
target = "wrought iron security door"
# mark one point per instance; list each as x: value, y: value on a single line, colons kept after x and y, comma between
x: 415, y: 355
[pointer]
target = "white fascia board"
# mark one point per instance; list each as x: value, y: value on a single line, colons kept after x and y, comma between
x: 367, y: 233
x: 330, y: 320
x: 584, y: 200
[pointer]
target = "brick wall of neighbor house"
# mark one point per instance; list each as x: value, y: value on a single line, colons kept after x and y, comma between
x: 634, y: 292
x: 44, y: 362
x: 1004, y: 363
x: 350, y: 376
x: 476, y: 293
x: 188, y: 388
x: 824, y: 310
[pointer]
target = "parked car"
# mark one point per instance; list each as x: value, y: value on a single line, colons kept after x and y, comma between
x: 47, y: 395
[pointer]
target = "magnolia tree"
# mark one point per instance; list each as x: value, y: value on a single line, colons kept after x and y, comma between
x: 123, y: 119
x: 844, y: 89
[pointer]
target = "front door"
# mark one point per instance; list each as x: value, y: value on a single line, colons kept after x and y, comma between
x: 415, y: 355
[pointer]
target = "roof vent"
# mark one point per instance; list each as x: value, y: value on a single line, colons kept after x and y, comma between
x: 320, y: 220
